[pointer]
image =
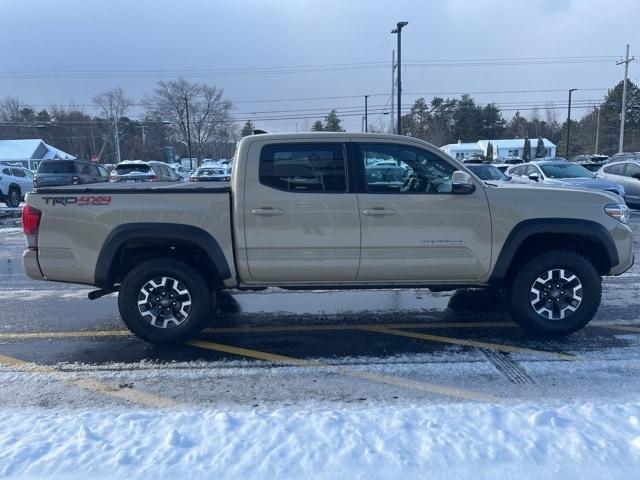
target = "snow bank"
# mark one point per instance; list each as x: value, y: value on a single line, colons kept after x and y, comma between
x: 441, y: 441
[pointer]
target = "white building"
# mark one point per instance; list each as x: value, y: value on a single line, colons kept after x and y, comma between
x: 460, y: 150
x: 30, y: 152
x: 515, y: 147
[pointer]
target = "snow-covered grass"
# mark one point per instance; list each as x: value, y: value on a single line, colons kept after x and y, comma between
x: 440, y: 441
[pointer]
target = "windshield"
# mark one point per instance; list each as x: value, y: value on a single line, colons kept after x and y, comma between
x: 569, y: 170
x: 209, y: 171
x: 487, y: 172
x: 129, y: 168
x: 57, y: 167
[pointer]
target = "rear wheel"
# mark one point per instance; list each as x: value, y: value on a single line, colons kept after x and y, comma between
x: 13, y: 197
x: 555, y: 293
x: 165, y: 301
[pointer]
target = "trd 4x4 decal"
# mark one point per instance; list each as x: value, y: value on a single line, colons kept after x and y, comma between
x: 90, y: 200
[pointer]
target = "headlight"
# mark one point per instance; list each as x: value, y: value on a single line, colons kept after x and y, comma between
x: 618, y: 211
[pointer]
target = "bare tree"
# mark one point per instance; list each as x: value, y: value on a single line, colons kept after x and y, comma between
x: 113, y: 103
x: 11, y: 110
x: 209, y: 113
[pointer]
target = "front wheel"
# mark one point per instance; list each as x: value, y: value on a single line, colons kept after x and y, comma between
x: 555, y: 293
x: 13, y: 198
x: 164, y: 301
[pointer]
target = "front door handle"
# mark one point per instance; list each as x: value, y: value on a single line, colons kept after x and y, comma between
x: 378, y: 211
x: 267, y: 211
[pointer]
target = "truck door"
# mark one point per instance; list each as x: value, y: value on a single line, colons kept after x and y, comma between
x: 413, y: 227
x: 301, y: 219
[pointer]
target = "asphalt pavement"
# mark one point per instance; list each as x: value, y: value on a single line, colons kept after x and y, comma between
x: 277, y: 348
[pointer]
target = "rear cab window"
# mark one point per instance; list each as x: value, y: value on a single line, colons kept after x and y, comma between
x: 304, y: 167
x: 57, y: 167
x: 131, y: 169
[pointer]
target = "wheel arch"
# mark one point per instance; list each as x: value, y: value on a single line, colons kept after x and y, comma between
x: 534, y: 236
x: 137, y: 242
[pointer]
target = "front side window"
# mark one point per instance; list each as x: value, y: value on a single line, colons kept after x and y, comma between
x: 304, y: 167
x: 633, y: 171
x: 615, y: 169
x: 391, y: 168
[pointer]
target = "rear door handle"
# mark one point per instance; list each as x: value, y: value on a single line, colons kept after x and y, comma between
x: 267, y: 211
x: 378, y: 211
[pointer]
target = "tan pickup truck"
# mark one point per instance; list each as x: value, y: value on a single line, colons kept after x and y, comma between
x: 329, y: 210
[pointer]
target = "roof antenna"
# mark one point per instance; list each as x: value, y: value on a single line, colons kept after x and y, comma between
x: 258, y: 132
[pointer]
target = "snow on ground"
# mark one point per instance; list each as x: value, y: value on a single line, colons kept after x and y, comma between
x: 441, y: 441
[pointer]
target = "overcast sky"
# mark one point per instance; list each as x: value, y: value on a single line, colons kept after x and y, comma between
x: 136, y: 42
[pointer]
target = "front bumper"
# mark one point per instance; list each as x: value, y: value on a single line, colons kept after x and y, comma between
x: 31, y: 265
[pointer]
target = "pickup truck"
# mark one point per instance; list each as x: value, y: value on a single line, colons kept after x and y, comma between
x: 317, y: 211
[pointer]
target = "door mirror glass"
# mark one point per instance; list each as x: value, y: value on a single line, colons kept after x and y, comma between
x: 534, y: 176
x: 462, y: 182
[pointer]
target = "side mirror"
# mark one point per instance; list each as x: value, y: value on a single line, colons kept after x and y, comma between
x: 462, y: 182
x: 534, y: 176
x: 636, y: 176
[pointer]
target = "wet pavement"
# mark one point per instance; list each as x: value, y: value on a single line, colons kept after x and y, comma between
x: 57, y: 348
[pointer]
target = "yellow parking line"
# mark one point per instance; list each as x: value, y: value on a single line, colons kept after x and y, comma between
x: 469, y: 343
x: 375, y: 377
x: 93, y: 385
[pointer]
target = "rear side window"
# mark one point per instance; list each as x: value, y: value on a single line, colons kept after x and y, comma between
x: 633, y: 171
x: 304, y: 167
x: 6, y: 171
x: 18, y: 173
x: 131, y: 168
x: 57, y: 167
x: 615, y: 169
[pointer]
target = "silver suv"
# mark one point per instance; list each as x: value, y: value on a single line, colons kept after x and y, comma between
x: 134, y: 171
x: 627, y: 174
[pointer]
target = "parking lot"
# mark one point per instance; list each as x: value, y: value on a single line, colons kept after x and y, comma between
x: 271, y: 349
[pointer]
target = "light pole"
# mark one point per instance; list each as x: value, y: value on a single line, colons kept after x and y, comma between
x: 366, y: 114
x: 569, y: 120
x: 398, y: 31
x: 186, y: 104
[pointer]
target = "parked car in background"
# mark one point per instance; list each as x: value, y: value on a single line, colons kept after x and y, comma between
x: 627, y: 174
x: 492, y: 174
x: 591, y: 162
x: 564, y: 174
x: 15, y: 182
x: 211, y: 174
x: 618, y: 157
x: 503, y: 164
x: 53, y: 173
x: 182, y: 172
x: 133, y: 171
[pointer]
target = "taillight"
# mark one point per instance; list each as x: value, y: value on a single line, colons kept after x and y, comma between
x: 193, y: 179
x: 152, y: 178
x: 31, y: 224
x: 75, y: 180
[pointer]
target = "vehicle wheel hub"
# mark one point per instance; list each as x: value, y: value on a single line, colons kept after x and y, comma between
x: 164, y: 302
x: 556, y: 294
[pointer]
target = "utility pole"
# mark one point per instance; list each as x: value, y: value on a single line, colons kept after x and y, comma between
x: 186, y: 104
x: 569, y: 120
x: 393, y: 89
x: 398, y: 32
x: 366, y: 113
x: 116, y: 139
x: 597, y: 129
x: 144, y: 140
x: 624, y: 97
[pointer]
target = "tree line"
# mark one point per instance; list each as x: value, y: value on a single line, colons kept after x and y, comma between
x: 443, y: 121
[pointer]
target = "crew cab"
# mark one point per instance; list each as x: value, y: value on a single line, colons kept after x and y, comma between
x: 304, y: 211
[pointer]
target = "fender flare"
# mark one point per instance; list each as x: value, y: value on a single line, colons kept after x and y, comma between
x: 591, y: 230
x: 104, y: 277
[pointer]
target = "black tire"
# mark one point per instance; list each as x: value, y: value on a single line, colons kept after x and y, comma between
x: 535, y: 299
x: 13, y: 197
x: 171, y: 326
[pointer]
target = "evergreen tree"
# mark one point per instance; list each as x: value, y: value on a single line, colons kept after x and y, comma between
x: 317, y: 126
x: 493, y: 124
x: 248, y: 129
x: 489, y: 151
x: 526, y: 152
x: 540, y: 148
x: 332, y: 122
